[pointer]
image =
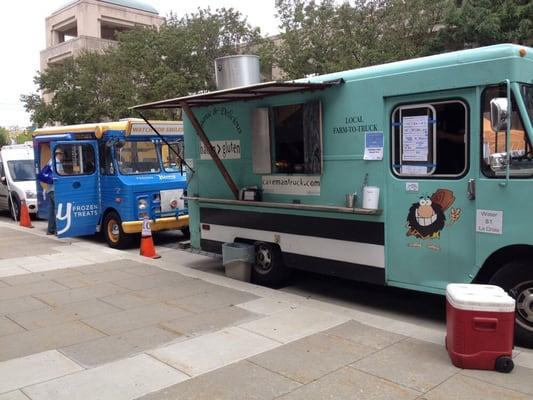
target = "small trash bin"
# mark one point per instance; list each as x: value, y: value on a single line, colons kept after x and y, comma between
x: 237, y: 259
x: 480, y: 326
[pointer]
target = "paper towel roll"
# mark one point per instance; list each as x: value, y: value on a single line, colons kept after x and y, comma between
x: 370, y: 197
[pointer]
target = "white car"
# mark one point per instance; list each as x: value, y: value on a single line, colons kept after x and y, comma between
x: 17, y: 179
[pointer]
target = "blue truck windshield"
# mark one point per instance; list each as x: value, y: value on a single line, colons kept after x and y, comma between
x: 171, y: 162
x: 137, y: 157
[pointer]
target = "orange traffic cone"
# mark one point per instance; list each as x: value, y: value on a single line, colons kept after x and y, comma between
x: 147, y: 244
x: 25, y: 220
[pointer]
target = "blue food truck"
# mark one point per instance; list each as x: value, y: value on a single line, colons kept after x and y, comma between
x: 112, y: 176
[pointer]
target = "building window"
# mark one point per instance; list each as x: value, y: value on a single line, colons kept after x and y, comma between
x: 430, y: 139
x: 494, y: 144
x: 297, y: 138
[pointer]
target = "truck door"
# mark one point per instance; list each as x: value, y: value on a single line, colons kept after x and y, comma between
x: 76, y: 186
x: 430, y: 235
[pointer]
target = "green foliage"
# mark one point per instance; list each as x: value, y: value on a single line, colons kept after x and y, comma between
x: 322, y: 37
x: 146, y: 65
x: 326, y: 36
x: 24, y: 137
x: 4, y: 136
x: 472, y: 23
x: 317, y: 37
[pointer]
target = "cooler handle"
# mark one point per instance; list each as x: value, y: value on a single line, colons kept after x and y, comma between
x: 485, y: 324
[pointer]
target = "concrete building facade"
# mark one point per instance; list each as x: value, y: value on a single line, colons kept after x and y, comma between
x: 92, y: 25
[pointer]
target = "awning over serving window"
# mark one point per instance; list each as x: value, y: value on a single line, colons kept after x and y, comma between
x: 243, y: 93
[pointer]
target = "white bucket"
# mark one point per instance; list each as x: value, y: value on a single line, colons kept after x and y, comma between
x: 370, y: 197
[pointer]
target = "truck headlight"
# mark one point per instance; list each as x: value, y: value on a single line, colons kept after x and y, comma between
x: 142, y: 204
x: 30, y: 194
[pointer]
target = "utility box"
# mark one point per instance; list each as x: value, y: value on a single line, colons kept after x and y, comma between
x: 480, y: 326
x: 237, y: 259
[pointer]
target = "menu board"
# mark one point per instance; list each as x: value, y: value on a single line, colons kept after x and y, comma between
x: 415, y: 139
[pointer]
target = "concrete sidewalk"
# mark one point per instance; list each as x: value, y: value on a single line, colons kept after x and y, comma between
x: 81, y: 321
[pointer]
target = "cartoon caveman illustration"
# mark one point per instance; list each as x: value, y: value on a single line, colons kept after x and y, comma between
x: 427, y: 217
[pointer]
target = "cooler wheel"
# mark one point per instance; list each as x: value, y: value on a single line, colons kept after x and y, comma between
x: 504, y: 364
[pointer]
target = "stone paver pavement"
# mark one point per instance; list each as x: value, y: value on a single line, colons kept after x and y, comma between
x: 81, y: 321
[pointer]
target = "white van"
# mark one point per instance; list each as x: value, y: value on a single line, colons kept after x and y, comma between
x: 17, y: 178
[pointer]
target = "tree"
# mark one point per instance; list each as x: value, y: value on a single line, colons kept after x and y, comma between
x: 322, y: 37
x: 319, y: 37
x: 146, y: 65
x: 24, y: 137
x: 472, y: 23
x: 4, y: 136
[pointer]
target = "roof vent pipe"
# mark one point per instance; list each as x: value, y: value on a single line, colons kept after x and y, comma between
x: 235, y: 71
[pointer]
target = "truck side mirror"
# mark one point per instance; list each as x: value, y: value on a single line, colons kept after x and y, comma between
x: 498, y: 161
x: 499, y: 114
x: 3, y: 179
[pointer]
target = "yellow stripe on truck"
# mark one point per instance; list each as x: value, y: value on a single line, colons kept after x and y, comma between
x: 160, y: 224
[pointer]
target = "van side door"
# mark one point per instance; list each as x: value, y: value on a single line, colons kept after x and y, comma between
x: 76, y: 188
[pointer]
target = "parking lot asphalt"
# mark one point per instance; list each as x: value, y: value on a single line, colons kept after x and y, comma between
x: 81, y: 321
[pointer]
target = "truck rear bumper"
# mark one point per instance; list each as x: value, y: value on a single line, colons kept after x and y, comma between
x: 160, y: 224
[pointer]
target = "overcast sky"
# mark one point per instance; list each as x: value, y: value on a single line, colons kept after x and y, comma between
x: 23, y: 37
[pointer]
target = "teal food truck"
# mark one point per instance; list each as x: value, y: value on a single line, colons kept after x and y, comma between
x: 437, y: 149
x: 112, y: 176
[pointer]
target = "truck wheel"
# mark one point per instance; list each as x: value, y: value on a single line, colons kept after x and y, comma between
x: 268, y: 268
x: 504, y: 364
x: 114, y: 235
x: 516, y: 278
x: 14, y: 208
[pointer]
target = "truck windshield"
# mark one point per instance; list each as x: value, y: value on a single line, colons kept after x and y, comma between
x: 21, y: 170
x: 527, y: 94
x: 137, y: 157
x: 171, y: 162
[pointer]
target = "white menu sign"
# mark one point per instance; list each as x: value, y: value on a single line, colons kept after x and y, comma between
x: 415, y: 139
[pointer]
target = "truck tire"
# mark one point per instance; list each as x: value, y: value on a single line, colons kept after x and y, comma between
x: 268, y: 268
x: 14, y: 207
x: 115, y: 237
x: 516, y: 278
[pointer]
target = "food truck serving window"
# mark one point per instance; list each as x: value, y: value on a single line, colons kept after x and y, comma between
x: 297, y: 138
x: 137, y: 157
x: 78, y: 159
x: 430, y: 139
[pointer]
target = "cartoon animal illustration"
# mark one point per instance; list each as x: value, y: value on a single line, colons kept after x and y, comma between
x: 426, y: 218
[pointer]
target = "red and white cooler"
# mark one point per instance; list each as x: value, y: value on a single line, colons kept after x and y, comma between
x: 480, y: 326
